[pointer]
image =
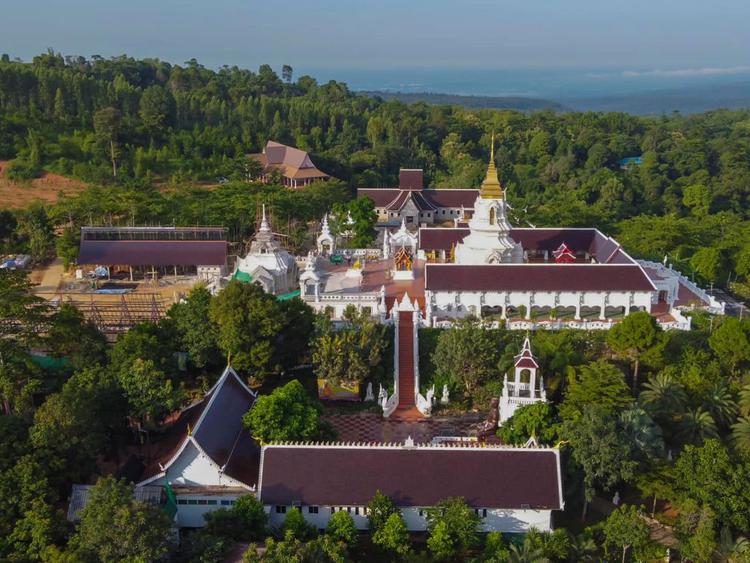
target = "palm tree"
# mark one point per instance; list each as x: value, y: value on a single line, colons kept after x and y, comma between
x: 732, y: 550
x: 662, y: 395
x: 744, y: 402
x: 644, y: 433
x: 721, y: 404
x: 582, y: 548
x: 741, y: 433
x: 696, y: 426
x: 527, y: 553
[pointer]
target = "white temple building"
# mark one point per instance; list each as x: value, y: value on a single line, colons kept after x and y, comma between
x: 525, y: 389
x: 267, y: 263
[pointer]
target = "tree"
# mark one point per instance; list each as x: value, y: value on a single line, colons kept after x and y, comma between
x: 341, y: 527
x: 393, y: 536
x: 631, y: 338
x: 245, y: 520
x: 642, y: 433
x: 379, y: 509
x: 599, y: 384
x: 248, y: 320
x: 709, y: 264
x: 107, y: 129
x: 150, y: 394
x: 712, y: 478
x: 157, y: 108
x: 66, y: 246
x: 535, y: 420
x: 730, y: 343
x: 196, y: 332
x: 466, y: 355
x: 73, y: 337
x: 295, y: 523
x: 115, y: 528
x: 695, y: 530
x: 625, y: 529
x: 600, y: 450
x: 452, y: 527
x: 286, y: 73
x: 495, y: 548
x: 288, y: 413
x: 350, y: 354
x: 696, y: 425
x: 663, y: 396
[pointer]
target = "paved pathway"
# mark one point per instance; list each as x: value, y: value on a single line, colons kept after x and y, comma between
x: 51, y: 280
x: 372, y: 427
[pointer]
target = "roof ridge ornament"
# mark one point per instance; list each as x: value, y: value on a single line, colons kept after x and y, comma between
x: 491, y: 187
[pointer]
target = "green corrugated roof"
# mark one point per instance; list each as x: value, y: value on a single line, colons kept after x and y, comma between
x: 242, y: 276
x: 287, y: 296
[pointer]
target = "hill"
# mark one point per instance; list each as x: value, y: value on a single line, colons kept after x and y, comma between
x: 479, y: 102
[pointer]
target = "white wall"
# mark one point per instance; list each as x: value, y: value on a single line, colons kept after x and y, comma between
x: 194, y: 468
x: 192, y: 507
x: 415, y: 518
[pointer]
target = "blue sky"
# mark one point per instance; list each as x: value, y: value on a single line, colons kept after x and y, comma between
x: 644, y: 36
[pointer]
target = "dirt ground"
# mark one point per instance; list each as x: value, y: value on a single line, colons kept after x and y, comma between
x: 47, y: 188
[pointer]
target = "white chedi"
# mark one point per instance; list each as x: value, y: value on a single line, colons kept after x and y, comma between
x: 267, y: 263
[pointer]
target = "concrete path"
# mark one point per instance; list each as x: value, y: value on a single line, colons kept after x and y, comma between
x: 51, y: 280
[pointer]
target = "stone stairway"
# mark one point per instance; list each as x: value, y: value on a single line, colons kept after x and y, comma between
x: 405, y: 341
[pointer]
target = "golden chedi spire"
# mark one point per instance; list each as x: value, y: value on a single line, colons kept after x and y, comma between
x: 491, y: 188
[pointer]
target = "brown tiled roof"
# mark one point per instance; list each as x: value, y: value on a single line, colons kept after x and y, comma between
x: 350, y: 475
x: 536, y: 277
x: 153, y: 252
x: 452, y: 198
x: 395, y: 199
x: 603, y: 248
x: 216, y: 428
x: 292, y: 162
x: 381, y: 197
x: 437, y: 238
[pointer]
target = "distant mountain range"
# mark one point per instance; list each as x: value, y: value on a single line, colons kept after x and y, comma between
x: 692, y: 98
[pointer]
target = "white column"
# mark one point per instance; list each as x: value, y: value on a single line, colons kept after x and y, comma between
x: 532, y: 382
x: 528, y: 308
x: 603, y: 309
x: 578, y: 307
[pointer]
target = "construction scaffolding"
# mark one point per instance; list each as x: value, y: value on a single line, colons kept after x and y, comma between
x: 119, y: 315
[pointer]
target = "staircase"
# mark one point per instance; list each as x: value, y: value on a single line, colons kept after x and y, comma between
x: 405, y: 360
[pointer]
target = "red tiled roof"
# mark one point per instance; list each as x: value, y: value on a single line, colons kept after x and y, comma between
x: 422, y: 476
x: 381, y: 197
x: 536, y: 277
x: 526, y: 362
x: 153, y: 252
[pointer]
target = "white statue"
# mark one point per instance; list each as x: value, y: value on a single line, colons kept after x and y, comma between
x: 445, y: 398
x: 431, y: 396
x: 616, y: 498
x: 369, y: 396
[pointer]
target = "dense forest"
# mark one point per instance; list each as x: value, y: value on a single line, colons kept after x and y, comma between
x: 663, y: 417
x: 145, y: 133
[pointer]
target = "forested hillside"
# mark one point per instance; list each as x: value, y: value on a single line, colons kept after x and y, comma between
x: 130, y: 125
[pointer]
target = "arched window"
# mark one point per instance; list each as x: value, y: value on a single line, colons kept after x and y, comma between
x: 493, y: 216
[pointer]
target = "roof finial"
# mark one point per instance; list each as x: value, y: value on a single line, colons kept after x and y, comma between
x: 491, y: 188
x: 264, y: 227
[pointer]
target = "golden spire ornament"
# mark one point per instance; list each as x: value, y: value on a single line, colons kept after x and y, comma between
x: 491, y: 188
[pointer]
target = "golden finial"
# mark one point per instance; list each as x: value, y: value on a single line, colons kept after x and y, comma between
x: 491, y: 188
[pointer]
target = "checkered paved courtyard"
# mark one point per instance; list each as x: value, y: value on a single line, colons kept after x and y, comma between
x: 372, y: 427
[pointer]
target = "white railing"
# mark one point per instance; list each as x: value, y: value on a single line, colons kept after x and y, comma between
x: 425, y: 404
x: 389, y: 405
x: 367, y: 252
x: 714, y: 306
x: 344, y: 297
